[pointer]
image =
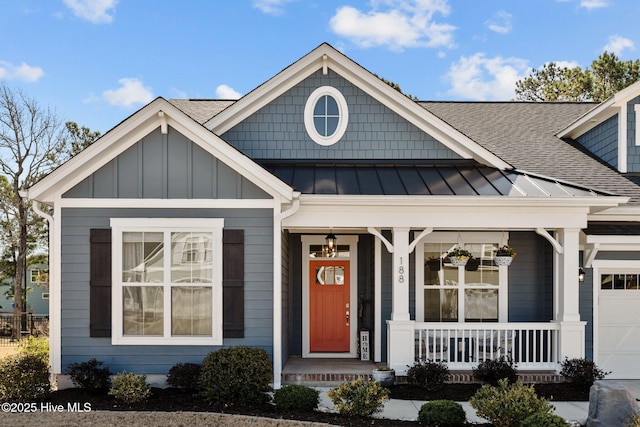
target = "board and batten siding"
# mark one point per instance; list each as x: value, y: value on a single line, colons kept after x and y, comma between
x: 166, y: 167
x: 374, y: 131
x: 77, y: 346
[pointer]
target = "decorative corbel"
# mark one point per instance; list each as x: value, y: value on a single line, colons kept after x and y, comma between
x: 163, y: 122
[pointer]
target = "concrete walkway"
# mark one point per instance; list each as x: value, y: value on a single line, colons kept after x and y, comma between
x: 575, y: 413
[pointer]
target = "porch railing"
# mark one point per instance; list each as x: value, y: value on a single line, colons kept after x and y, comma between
x: 532, y: 346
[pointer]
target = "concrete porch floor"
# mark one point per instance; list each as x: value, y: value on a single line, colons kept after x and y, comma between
x: 324, y: 372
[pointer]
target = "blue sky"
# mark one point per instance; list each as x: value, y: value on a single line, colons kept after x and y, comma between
x: 97, y: 61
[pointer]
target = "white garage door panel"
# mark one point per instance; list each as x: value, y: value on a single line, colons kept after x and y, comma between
x: 619, y: 334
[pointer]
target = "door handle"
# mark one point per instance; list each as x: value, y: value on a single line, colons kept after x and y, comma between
x: 347, y: 317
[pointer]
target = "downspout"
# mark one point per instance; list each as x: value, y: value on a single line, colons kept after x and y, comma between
x: 277, y: 288
x: 54, y: 353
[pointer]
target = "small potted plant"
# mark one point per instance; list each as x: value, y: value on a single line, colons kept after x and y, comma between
x: 459, y: 257
x: 504, y: 255
x: 384, y: 375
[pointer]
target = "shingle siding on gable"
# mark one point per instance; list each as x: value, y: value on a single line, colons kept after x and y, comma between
x: 633, y: 150
x: 602, y: 141
x: 277, y: 131
x: 166, y: 167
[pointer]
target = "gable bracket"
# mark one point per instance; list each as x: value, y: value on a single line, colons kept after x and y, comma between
x: 415, y: 242
x: 379, y: 235
x: 163, y: 122
x: 590, y: 254
x: 556, y: 245
x: 325, y: 65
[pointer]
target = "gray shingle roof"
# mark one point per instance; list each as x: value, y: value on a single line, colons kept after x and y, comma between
x: 523, y: 135
x: 201, y: 110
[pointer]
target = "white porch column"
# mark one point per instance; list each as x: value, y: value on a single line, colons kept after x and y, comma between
x: 567, y: 289
x: 400, y: 329
x: 400, y: 309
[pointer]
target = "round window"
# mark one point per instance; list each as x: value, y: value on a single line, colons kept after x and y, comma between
x: 326, y: 115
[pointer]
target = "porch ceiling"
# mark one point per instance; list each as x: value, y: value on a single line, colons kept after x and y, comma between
x: 351, y: 178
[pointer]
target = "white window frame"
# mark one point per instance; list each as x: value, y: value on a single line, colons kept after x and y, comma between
x: 343, y: 112
x: 465, y: 237
x: 166, y: 226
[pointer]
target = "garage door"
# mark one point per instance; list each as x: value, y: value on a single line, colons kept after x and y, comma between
x: 619, y: 327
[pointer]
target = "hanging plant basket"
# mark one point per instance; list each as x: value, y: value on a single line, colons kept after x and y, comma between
x: 459, y: 261
x: 459, y: 257
x: 434, y: 264
x: 503, y: 260
x: 504, y: 255
x: 472, y: 264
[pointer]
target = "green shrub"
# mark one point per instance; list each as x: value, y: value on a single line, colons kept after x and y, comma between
x: 24, y: 378
x: 38, y: 347
x: 581, y: 373
x: 544, y: 419
x: 492, y: 370
x: 361, y: 397
x: 430, y: 375
x: 237, y: 375
x: 130, y: 388
x: 90, y: 375
x: 507, y: 405
x: 184, y: 376
x: 296, y: 397
x: 442, y: 413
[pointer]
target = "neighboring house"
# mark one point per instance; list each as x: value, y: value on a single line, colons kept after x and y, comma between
x: 196, y: 224
x: 37, y: 291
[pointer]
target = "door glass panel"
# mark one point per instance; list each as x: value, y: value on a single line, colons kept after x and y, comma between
x: 330, y: 275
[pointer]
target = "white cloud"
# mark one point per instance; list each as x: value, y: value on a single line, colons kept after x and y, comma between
x: 94, y: 11
x: 594, y: 4
x: 502, y: 23
x: 397, y: 24
x: 566, y: 64
x: 24, y: 72
x: 131, y: 92
x: 480, y: 78
x: 271, y: 7
x: 227, y: 92
x: 617, y: 44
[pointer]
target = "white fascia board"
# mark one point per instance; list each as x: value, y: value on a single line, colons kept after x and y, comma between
x: 601, y: 112
x: 437, y: 217
x: 613, y: 240
x: 168, y: 203
x: 131, y: 132
x: 364, y: 80
x: 463, y: 201
x: 589, y: 120
x: 617, y: 213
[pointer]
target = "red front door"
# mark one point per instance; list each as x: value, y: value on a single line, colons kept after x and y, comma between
x: 329, y: 306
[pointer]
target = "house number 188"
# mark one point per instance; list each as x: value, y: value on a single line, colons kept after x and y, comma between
x: 400, y: 271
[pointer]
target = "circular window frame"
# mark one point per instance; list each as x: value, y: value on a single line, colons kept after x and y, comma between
x: 343, y: 115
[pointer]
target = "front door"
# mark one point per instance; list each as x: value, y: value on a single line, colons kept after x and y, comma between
x: 329, y: 306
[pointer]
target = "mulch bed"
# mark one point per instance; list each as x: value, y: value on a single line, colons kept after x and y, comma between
x: 169, y: 400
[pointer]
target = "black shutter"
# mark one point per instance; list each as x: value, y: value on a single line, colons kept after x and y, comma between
x: 100, y: 283
x: 233, y: 283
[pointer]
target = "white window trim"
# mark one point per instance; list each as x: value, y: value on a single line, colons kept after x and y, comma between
x: 120, y: 225
x: 343, y: 112
x: 466, y: 237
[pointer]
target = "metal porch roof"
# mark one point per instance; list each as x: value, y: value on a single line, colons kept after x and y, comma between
x: 421, y: 180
